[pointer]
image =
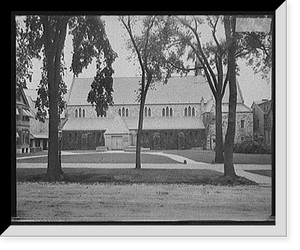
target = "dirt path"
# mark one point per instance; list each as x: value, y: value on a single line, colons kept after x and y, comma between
x: 108, y: 202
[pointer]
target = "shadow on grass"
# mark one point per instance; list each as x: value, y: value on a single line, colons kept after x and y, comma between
x: 131, y: 176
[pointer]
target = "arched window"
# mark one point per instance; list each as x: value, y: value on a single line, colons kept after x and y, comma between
x: 127, y: 112
x: 149, y: 112
x: 83, y: 112
x: 76, y: 113
x: 189, y: 114
x: 193, y: 111
x: 185, y: 112
x: 163, y: 112
x: 79, y: 112
x: 145, y: 111
x: 123, y: 111
x: 167, y: 111
x: 119, y: 111
x: 171, y: 111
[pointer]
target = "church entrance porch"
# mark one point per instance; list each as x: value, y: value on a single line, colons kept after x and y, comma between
x: 117, y: 142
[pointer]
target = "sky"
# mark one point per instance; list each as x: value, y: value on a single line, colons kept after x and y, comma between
x: 254, y: 88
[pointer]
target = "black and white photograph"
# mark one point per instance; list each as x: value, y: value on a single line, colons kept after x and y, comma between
x: 146, y: 119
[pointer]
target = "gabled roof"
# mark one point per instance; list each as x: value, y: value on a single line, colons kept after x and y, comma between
x: 21, y: 98
x: 31, y: 95
x: 210, y: 107
x: 186, y: 89
x: 117, y: 126
x: 261, y: 104
x: 101, y: 123
x: 164, y: 123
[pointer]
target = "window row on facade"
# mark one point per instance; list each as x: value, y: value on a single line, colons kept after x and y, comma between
x: 190, y: 111
x: 82, y: 113
x: 79, y: 113
x: 124, y: 112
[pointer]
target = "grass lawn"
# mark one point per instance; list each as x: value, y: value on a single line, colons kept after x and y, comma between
x: 209, y: 156
x: 131, y: 176
x: 263, y: 172
x: 103, y: 158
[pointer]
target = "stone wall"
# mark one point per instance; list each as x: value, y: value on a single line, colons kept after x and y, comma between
x: 243, y: 129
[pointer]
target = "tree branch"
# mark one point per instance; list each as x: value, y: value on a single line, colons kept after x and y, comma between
x: 201, y: 51
x: 129, y: 30
x: 214, y: 34
x: 183, y: 68
x: 224, y: 85
x: 147, y: 40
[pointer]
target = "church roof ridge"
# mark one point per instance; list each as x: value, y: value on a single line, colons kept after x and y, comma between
x: 179, y: 89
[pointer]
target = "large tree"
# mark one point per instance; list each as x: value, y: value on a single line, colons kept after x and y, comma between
x: 45, y: 38
x: 217, y: 59
x: 211, y: 58
x: 256, y: 48
x: 149, y: 48
x: 229, y: 25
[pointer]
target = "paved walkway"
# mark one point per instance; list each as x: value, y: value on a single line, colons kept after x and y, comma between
x: 190, y: 164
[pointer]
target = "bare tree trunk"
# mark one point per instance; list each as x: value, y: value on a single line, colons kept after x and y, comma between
x: 219, y: 158
x: 138, y: 164
x: 53, y: 54
x: 229, y: 171
x: 54, y: 171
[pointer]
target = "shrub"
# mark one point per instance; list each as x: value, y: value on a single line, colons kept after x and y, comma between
x: 181, y: 140
x: 251, y: 146
x: 156, y: 141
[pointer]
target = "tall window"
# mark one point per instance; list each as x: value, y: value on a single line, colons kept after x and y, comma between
x: 193, y: 111
x: 76, y: 113
x: 124, y: 112
x: 190, y: 111
x: 149, y: 112
x: 171, y: 111
x: 163, y: 112
x: 242, y: 123
x: 79, y: 112
x: 145, y: 112
x: 83, y: 112
x: 167, y: 111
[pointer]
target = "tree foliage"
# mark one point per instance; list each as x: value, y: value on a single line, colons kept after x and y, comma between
x: 89, y: 42
x: 211, y: 58
x: 45, y: 37
x: 24, y: 57
x: 150, y: 49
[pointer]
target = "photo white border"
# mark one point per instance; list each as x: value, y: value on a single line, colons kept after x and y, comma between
x: 280, y: 229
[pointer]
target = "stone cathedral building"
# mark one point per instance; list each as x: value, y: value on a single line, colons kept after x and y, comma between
x: 177, y: 115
